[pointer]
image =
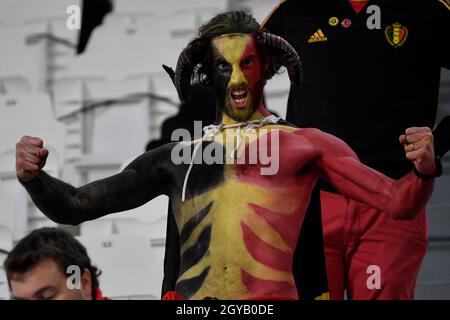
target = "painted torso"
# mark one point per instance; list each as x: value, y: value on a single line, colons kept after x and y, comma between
x: 238, y: 236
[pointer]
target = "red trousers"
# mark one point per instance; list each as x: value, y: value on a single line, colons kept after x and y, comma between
x: 362, y: 243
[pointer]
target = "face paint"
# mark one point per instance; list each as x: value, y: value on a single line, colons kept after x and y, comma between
x: 238, y: 75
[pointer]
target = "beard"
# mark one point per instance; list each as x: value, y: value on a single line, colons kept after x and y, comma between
x: 239, y: 114
x: 225, y: 101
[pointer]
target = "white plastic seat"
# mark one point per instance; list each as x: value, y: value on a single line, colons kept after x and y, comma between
x: 161, y: 110
x: 123, y: 127
x: 43, y: 222
x: 121, y: 47
x: 15, y: 211
x: 276, y: 93
x: 6, y: 243
x: 34, y: 109
x: 30, y: 114
x: 130, y: 267
x: 68, y: 99
x: 58, y: 28
x: 167, y: 7
x: 13, y: 205
x: 20, y: 11
x: 22, y: 65
x: 4, y: 289
x: 6, y: 239
x: 99, y: 227
x: 261, y: 9
x: 155, y: 232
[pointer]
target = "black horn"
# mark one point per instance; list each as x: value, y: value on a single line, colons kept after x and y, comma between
x: 189, y: 58
x: 284, y: 53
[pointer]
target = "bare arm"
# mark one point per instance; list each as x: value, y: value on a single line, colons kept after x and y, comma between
x: 401, y: 198
x: 141, y: 181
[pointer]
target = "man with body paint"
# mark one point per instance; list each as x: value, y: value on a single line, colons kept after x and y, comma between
x: 237, y: 227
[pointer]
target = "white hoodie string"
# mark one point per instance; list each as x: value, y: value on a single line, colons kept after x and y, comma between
x: 213, y: 130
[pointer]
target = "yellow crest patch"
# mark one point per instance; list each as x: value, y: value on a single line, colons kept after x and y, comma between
x: 396, y: 34
x: 333, y: 21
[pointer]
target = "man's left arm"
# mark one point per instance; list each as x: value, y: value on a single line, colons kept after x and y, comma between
x: 402, y: 198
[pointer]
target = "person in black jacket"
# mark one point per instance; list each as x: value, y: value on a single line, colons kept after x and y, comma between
x: 371, y: 69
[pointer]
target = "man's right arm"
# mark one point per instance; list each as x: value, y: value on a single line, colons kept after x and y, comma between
x: 141, y: 181
x: 400, y: 199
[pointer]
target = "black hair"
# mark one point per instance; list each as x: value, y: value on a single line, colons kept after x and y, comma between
x: 229, y: 22
x: 49, y: 243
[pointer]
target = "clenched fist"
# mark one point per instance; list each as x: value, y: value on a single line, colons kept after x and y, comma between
x: 419, y: 148
x: 30, y: 157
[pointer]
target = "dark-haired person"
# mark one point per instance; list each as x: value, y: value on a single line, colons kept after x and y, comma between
x: 238, y: 216
x: 370, y: 71
x: 40, y: 266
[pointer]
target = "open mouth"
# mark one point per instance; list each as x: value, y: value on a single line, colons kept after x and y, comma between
x: 239, y: 97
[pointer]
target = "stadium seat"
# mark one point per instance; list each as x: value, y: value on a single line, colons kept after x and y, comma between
x: 4, y: 289
x: 13, y: 205
x: 6, y: 242
x: 276, y: 93
x: 167, y: 7
x: 155, y: 232
x: 98, y: 227
x: 25, y: 114
x: 30, y: 114
x: 130, y: 267
x: 122, y: 47
x: 21, y: 11
x: 122, y: 127
x: 161, y: 110
x: 25, y: 72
